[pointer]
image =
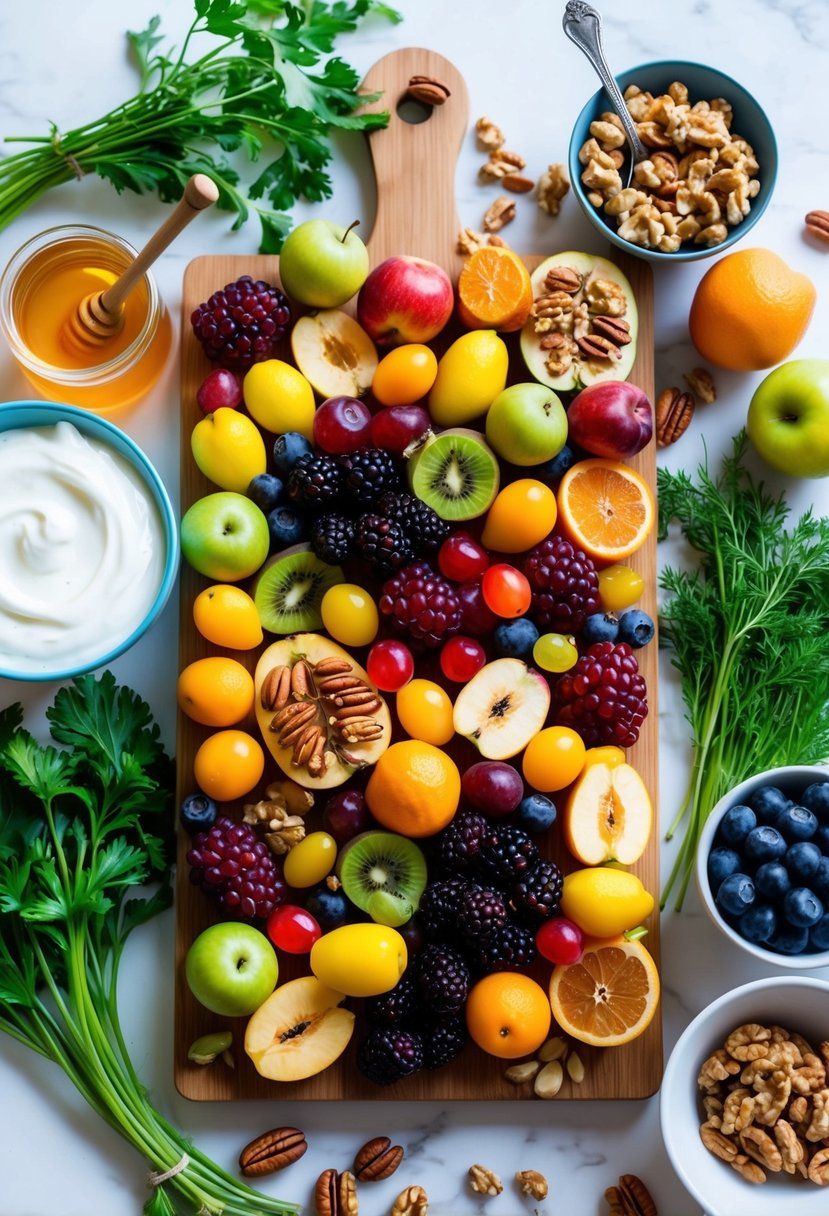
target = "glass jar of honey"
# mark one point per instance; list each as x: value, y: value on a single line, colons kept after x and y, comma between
x: 40, y: 291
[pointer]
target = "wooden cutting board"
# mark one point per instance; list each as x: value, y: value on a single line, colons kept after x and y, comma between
x: 414, y: 165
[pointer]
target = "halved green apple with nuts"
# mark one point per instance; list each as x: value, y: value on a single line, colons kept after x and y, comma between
x: 583, y: 325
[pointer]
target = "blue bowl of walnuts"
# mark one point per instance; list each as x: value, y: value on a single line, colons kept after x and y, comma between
x: 763, y: 866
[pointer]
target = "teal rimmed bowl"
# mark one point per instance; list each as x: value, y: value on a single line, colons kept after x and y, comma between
x: 17, y: 415
x: 704, y: 83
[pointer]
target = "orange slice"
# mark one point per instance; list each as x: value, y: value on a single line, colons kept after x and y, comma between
x: 606, y: 508
x: 494, y: 290
x: 608, y: 998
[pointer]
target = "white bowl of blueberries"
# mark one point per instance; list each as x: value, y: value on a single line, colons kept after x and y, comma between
x: 763, y: 866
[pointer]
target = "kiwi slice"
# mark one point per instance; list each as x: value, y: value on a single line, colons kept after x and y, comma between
x: 289, y: 590
x: 383, y: 874
x: 456, y: 473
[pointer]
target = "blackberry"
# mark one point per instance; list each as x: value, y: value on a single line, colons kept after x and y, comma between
x: 510, y: 947
x: 389, y: 1054
x: 536, y: 895
x: 234, y: 866
x: 397, y: 1007
x: 382, y: 544
x: 423, y: 526
x: 443, y: 1041
x: 603, y: 697
x: 315, y: 482
x: 440, y: 906
x: 332, y: 537
x: 422, y: 604
x: 482, y: 911
x: 564, y: 583
x: 459, y: 843
x: 506, y: 854
x: 368, y: 473
x: 443, y: 979
x: 241, y: 324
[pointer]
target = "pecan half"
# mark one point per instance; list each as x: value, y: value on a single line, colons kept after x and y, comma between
x: 272, y: 1151
x: 302, y: 684
x: 276, y: 688
x: 594, y: 346
x: 336, y: 1194
x: 817, y: 224
x: 614, y: 328
x: 377, y: 1159
x: 518, y: 183
x: 630, y: 1197
x: 428, y: 91
x: 674, y: 411
x: 332, y: 667
x: 563, y: 278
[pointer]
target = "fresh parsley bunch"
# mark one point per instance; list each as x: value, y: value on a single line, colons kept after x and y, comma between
x: 749, y: 634
x: 265, y: 88
x: 85, y: 848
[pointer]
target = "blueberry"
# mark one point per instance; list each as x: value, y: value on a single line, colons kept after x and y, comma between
x: 767, y: 803
x: 286, y: 527
x: 819, y: 882
x: 819, y: 934
x: 796, y: 823
x: 735, y: 894
x: 772, y: 880
x: 821, y: 838
x: 802, y: 860
x: 600, y: 627
x: 802, y: 908
x: 553, y: 470
x: 736, y: 824
x: 788, y: 940
x: 266, y: 490
x: 816, y: 798
x: 636, y: 628
x: 536, y: 813
x: 758, y: 923
x: 764, y: 843
x: 197, y: 812
x: 721, y: 864
x: 515, y: 639
x: 329, y: 908
x: 287, y: 450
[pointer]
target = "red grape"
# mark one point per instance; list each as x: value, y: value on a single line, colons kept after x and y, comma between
x: 476, y: 617
x: 220, y: 388
x: 560, y: 941
x: 390, y: 665
x: 461, y: 658
x: 292, y: 929
x: 462, y: 558
x: 395, y: 427
x: 492, y: 787
x: 341, y: 424
x: 346, y: 815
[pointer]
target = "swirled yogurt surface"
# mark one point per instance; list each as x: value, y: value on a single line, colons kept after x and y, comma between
x: 82, y: 549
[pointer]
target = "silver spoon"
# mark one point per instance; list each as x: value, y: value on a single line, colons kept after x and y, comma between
x: 583, y: 25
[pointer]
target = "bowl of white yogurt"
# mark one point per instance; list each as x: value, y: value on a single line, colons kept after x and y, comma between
x: 88, y: 541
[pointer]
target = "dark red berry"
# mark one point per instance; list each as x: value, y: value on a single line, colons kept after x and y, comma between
x: 564, y: 584
x: 242, y: 324
x: 604, y: 697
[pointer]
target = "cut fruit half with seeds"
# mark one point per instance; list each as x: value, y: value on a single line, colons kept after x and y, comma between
x: 298, y: 1031
x: 605, y: 508
x: 502, y: 707
x: 334, y: 353
x: 384, y: 874
x: 289, y: 588
x: 456, y: 473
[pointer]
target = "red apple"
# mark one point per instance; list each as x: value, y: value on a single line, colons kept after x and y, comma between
x: 405, y: 299
x: 612, y: 418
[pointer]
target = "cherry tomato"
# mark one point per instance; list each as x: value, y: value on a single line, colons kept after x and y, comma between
x: 506, y: 591
x: 292, y: 929
x: 405, y: 374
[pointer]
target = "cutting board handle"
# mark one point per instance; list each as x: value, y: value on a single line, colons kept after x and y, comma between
x: 414, y: 162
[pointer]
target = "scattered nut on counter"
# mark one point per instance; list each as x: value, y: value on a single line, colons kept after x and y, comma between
x: 272, y: 1151
x: 817, y: 224
x: 469, y: 240
x: 484, y: 1181
x: 532, y: 1184
x: 672, y: 416
x: 377, y: 1159
x: 701, y: 383
x: 552, y: 187
x: 335, y: 1194
x: 489, y: 135
x: 630, y: 1197
x: 411, y: 1202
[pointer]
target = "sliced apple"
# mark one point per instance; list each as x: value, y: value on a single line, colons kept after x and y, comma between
x: 608, y: 815
x: 298, y: 1031
x: 342, y: 757
x: 606, y: 292
x: 334, y: 353
x: 502, y: 707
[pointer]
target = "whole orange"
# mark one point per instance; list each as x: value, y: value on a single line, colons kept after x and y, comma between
x: 215, y: 691
x: 750, y: 310
x: 508, y: 1014
x: 414, y: 788
x: 228, y: 764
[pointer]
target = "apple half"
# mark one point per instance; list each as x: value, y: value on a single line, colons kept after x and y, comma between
x: 608, y: 815
x: 298, y: 1031
x: 334, y: 353
x: 604, y: 292
x: 343, y: 758
x: 502, y: 707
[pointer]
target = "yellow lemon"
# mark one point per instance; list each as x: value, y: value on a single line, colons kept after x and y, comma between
x: 604, y: 901
x: 279, y: 397
x: 470, y: 375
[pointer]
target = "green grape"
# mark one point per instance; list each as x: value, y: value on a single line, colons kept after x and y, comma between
x: 555, y: 652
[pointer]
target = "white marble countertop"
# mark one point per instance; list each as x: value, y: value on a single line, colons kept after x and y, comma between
x: 69, y: 64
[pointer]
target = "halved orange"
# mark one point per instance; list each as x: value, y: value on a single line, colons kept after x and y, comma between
x: 609, y: 997
x: 606, y: 508
x: 494, y: 290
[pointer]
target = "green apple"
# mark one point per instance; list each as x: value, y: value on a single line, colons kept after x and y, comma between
x: 231, y: 969
x: 526, y: 424
x: 225, y: 536
x: 788, y: 418
x: 228, y: 448
x: 323, y: 264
